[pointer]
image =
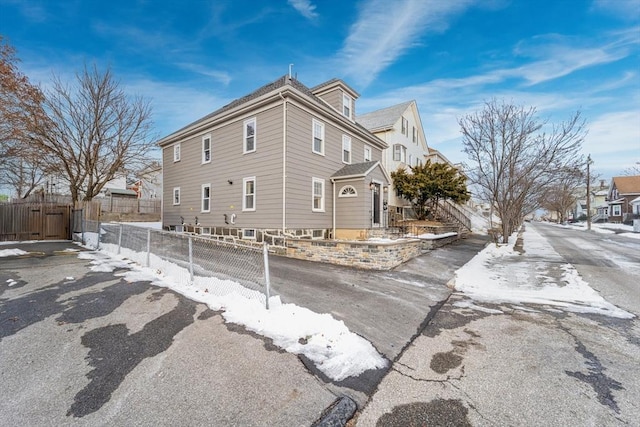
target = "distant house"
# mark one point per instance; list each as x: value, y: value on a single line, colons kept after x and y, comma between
x: 599, y: 205
x: 284, y: 159
x: 148, y: 182
x: 400, y: 127
x: 622, y: 191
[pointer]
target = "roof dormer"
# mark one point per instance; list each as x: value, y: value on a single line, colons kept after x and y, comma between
x: 339, y: 95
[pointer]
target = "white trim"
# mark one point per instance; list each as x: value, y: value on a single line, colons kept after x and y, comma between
x: 346, y: 143
x: 315, y: 122
x: 202, y: 198
x: 244, y: 194
x: 204, y: 138
x: 176, y: 152
x: 313, y: 195
x: 348, y: 100
x: 346, y: 189
x: 244, y: 235
x: 367, y: 148
x: 173, y: 196
x: 245, y: 135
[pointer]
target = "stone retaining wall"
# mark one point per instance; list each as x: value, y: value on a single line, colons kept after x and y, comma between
x: 370, y: 255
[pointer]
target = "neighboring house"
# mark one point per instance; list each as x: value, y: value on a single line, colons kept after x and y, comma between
x: 148, y: 183
x: 622, y: 191
x: 635, y: 207
x: 401, y: 129
x: 284, y: 159
x: 599, y: 205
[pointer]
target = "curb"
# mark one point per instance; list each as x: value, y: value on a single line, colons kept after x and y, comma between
x: 338, y: 414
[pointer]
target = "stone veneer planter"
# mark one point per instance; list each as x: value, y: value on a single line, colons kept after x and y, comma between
x: 370, y: 254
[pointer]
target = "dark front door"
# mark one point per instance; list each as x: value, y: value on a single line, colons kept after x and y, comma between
x: 376, y: 205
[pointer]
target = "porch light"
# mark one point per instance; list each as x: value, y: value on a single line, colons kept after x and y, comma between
x: 372, y: 185
x: 385, y: 188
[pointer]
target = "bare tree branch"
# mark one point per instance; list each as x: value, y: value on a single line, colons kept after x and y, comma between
x: 94, y: 131
x: 513, y: 161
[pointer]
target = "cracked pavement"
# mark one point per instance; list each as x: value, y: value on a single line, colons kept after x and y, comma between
x: 531, y: 365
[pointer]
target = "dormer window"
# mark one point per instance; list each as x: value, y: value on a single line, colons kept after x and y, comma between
x: 347, y: 105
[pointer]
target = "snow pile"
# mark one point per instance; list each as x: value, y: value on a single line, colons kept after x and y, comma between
x: 499, y: 274
x: 336, y: 351
x: 11, y: 252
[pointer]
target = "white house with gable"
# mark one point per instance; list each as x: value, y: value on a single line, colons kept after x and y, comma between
x: 401, y: 128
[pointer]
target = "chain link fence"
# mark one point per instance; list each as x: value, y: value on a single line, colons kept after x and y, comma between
x: 230, y: 262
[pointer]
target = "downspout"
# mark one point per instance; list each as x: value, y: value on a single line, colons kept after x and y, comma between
x: 333, y: 210
x: 284, y: 163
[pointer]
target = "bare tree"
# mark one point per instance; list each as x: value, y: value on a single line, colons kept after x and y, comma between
x: 514, y: 161
x: 632, y: 170
x: 564, y: 193
x: 93, y: 131
x: 20, y: 102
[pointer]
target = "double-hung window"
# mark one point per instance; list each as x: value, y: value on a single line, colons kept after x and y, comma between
x: 318, y: 137
x: 206, y: 149
x: 415, y: 135
x: 249, y: 136
x: 399, y: 153
x: 318, y: 195
x: 405, y: 126
x: 346, y: 149
x: 249, y: 194
x: 176, y: 153
x: 347, y: 105
x: 176, y: 196
x: 616, y: 210
x: 367, y: 153
x: 206, y: 198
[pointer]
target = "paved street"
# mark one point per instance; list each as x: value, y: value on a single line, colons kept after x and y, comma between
x: 82, y: 347
x: 525, y: 364
x: 79, y: 347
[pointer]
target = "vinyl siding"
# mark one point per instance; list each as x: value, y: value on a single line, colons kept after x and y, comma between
x: 353, y: 212
x: 228, y: 164
x: 333, y: 98
x: 303, y: 165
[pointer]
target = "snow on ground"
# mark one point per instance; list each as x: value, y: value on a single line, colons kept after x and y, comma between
x: 11, y: 252
x: 604, y: 228
x: 156, y: 224
x: 336, y: 351
x: 499, y: 274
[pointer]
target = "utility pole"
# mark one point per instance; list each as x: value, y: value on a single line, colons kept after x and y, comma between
x: 588, y: 193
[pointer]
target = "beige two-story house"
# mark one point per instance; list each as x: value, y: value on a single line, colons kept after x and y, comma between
x: 400, y: 127
x: 285, y: 159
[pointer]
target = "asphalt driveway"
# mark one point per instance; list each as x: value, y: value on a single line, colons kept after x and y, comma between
x: 84, y: 347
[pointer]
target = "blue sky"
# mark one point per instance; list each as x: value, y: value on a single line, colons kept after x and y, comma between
x: 191, y: 57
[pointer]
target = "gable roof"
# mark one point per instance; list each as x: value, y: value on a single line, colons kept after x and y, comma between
x: 269, y: 88
x: 330, y: 84
x: 359, y: 170
x: 627, y: 184
x: 384, y: 118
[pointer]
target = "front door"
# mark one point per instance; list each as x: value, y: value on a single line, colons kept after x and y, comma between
x: 376, y: 205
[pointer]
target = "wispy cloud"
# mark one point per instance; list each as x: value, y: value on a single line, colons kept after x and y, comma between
x: 305, y: 7
x: 614, y: 132
x: 220, y: 76
x: 383, y: 33
x: 624, y: 9
x: 33, y: 12
x: 555, y: 56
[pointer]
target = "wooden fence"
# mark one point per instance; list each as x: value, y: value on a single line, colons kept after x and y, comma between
x: 35, y: 221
